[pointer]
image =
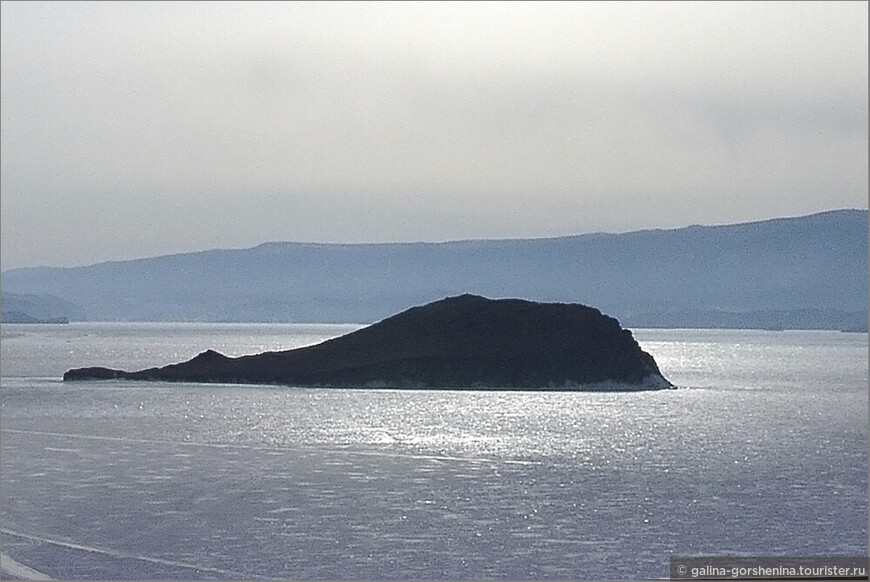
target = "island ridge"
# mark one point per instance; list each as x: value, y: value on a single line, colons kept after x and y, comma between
x: 465, y: 341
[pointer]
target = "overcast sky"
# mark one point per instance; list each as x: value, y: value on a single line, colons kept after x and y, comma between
x: 141, y: 129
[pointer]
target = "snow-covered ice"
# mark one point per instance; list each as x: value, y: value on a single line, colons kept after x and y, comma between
x: 125, y: 480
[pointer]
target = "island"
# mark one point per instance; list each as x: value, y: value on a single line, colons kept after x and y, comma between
x: 462, y: 342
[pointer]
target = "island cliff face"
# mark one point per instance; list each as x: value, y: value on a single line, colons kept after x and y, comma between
x: 457, y: 342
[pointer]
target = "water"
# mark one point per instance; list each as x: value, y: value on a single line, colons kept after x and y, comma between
x: 762, y: 452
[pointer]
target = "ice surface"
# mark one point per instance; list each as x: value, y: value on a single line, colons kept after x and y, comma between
x: 760, y: 452
x: 12, y: 570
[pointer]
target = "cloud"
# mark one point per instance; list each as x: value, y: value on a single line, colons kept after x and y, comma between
x: 470, y: 119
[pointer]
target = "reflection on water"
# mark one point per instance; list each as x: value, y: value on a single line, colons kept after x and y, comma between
x: 761, y: 452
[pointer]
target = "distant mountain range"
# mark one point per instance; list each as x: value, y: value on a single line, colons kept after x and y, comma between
x: 806, y: 272
x: 27, y: 308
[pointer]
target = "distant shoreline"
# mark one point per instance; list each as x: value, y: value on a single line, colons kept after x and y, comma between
x: 19, y: 317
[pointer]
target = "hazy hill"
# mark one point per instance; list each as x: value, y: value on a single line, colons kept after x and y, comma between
x: 794, y: 272
x: 28, y: 308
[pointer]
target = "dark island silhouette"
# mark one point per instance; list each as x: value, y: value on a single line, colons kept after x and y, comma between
x: 458, y: 342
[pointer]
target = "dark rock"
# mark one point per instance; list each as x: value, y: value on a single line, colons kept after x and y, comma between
x: 458, y: 342
x: 94, y: 373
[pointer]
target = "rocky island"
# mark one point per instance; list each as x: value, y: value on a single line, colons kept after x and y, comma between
x: 458, y: 342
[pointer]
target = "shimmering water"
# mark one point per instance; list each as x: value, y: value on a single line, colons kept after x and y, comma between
x: 762, y: 452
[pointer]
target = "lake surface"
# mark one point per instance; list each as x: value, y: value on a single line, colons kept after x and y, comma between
x: 762, y: 451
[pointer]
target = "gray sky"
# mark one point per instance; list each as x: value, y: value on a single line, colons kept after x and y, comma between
x: 140, y: 129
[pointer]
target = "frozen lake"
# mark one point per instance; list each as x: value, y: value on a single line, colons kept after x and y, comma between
x: 762, y: 452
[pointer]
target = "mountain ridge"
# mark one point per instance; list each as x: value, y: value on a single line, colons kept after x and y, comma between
x: 785, y: 265
x: 47, y: 268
